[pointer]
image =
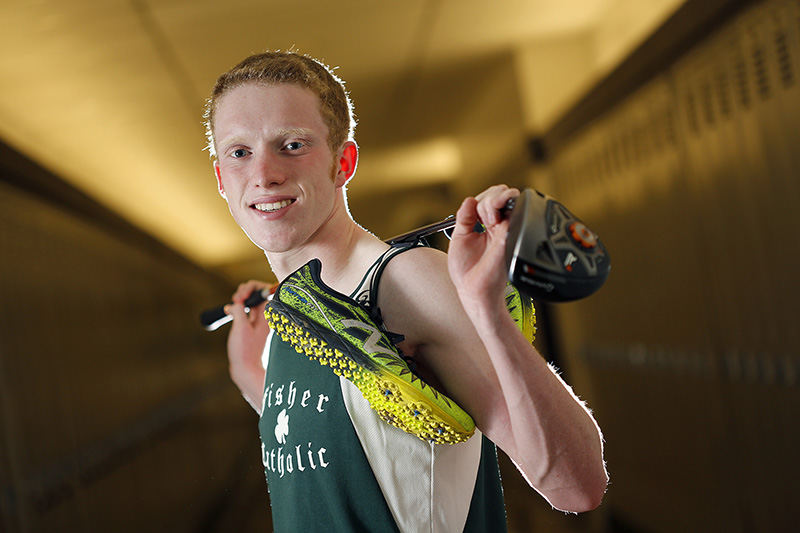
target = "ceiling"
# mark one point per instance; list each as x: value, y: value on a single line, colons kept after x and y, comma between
x: 109, y: 94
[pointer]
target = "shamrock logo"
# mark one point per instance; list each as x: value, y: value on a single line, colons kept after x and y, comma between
x: 282, y: 427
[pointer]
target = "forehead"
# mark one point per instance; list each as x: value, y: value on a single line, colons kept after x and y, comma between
x: 265, y: 106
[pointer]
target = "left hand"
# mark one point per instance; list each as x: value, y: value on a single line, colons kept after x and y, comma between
x: 476, y: 260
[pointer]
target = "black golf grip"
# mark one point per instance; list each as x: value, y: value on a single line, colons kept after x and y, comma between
x: 209, y: 317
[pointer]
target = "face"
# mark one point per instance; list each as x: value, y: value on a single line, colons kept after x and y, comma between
x: 274, y: 167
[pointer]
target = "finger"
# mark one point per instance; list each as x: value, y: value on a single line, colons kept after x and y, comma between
x: 502, y: 200
x: 241, y: 293
x: 466, y: 217
x: 498, y: 233
x: 491, y: 191
x: 485, y: 202
x: 508, y: 194
x: 491, y: 207
x: 486, y: 213
x: 244, y: 290
x: 236, y: 310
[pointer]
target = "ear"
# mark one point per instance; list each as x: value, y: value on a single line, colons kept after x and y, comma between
x: 218, y: 173
x: 348, y: 160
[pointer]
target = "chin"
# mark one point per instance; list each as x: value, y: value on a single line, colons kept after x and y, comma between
x: 272, y: 245
x: 266, y: 244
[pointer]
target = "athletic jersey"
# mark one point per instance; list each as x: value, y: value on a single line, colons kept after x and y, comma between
x: 333, y: 465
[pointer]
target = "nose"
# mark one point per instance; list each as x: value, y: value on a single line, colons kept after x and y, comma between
x: 269, y: 170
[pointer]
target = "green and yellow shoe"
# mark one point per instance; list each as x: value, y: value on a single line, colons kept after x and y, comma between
x: 522, y: 311
x: 336, y: 331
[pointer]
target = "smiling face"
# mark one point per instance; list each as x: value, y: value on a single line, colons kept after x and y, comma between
x: 274, y: 165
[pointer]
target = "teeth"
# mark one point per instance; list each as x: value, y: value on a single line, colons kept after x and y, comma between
x: 274, y: 206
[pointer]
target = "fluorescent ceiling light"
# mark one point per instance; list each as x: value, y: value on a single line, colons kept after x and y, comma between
x: 434, y: 160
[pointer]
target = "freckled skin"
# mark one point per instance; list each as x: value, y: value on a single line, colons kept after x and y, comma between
x: 272, y: 146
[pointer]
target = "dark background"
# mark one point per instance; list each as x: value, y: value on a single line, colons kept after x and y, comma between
x: 118, y: 415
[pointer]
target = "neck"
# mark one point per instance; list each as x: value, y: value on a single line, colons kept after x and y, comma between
x: 344, y: 248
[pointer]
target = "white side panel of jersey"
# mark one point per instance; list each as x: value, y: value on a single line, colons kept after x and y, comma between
x: 428, y: 487
x: 265, y: 364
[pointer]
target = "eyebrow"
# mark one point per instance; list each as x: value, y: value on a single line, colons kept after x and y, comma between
x: 294, y: 132
x: 280, y: 132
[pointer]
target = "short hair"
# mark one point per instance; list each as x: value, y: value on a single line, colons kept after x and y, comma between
x: 276, y: 67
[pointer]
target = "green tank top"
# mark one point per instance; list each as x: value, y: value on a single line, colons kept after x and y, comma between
x: 322, y: 478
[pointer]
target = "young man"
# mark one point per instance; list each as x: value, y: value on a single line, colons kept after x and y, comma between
x: 280, y: 129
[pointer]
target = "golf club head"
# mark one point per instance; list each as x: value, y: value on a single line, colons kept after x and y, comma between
x: 550, y: 254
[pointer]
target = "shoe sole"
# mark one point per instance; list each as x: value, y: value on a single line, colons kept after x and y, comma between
x: 399, y: 396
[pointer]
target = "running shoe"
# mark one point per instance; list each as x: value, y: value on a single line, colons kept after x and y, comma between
x: 522, y: 311
x: 337, y: 332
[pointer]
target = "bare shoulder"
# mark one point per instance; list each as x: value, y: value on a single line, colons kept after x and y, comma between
x: 417, y: 297
x: 415, y: 272
x: 418, y: 300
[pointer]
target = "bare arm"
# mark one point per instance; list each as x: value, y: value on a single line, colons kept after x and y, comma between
x: 464, y: 334
x: 246, y: 341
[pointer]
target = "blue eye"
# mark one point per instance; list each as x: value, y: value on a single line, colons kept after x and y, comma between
x: 238, y: 153
x: 294, y: 145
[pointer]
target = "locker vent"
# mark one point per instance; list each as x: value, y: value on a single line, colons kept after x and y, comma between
x: 784, y: 59
x: 759, y: 64
x: 708, y: 107
x: 742, y: 85
x: 691, y: 113
x: 722, y: 86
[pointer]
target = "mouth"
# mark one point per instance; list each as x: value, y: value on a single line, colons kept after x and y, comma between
x: 271, y: 207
